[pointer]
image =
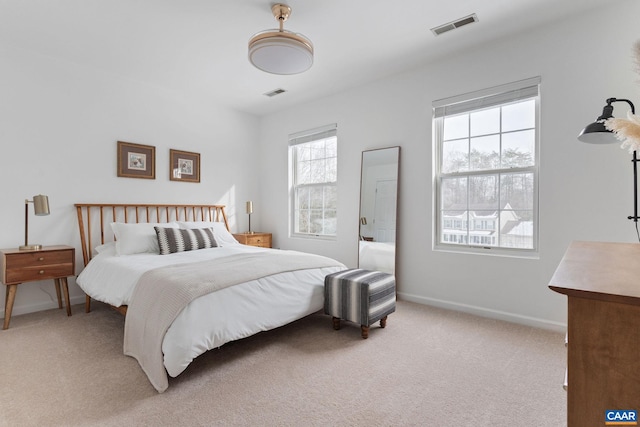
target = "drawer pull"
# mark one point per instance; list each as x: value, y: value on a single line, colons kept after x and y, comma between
x: 41, y: 259
x: 41, y: 272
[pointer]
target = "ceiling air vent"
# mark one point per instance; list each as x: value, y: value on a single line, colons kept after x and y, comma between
x: 455, y: 24
x: 275, y: 92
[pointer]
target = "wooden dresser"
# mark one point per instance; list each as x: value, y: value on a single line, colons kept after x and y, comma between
x: 262, y: 240
x: 602, y: 283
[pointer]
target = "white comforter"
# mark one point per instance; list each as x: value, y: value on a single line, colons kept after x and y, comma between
x: 217, y: 318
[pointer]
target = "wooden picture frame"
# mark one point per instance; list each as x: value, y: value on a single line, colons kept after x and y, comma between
x: 136, y: 160
x: 184, y: 166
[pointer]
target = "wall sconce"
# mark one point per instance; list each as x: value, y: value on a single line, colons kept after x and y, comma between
x: 363, y: 220
x: 249, y: 212
x: 41, y: 208
x: 597, y: 133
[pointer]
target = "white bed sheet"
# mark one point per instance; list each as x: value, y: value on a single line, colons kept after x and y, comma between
x: 217, y: 318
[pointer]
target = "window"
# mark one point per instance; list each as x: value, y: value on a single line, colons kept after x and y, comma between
x: 486, y: 174
x: 313, y: 156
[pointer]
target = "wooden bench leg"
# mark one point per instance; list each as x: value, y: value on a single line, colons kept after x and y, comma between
x: 336, y: 323
x: 87, y: 304
x: 365, y: 331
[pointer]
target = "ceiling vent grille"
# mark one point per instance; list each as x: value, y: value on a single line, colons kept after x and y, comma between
x: 275, y: 92
x: 455, y: 24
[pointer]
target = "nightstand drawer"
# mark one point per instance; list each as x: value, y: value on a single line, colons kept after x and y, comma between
x: 260, y: 241
x: 28, y: 274
x: 33, y: 258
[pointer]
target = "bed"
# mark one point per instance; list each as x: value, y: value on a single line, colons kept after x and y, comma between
x: 185, y: 284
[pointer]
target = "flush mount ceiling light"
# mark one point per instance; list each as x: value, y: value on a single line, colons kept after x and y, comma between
x: 279, y: 51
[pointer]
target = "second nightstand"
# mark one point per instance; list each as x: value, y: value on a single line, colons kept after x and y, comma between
x: 51, y: 262
x: 262, y: 240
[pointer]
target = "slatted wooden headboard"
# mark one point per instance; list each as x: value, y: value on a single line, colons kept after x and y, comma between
x: 94, y: 219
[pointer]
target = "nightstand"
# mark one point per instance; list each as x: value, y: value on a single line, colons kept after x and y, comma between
x: 50, y: 262
x: 262, y: 240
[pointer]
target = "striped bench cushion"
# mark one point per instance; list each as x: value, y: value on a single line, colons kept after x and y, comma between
x: 360, y: 296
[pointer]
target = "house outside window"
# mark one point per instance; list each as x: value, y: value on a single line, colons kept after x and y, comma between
x: 313, y: 159
x: 486, y: 175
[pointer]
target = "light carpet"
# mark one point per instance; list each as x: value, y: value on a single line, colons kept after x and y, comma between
x: 428, y: 367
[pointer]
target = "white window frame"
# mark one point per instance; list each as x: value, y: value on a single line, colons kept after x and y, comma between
x: 296, y: 139
x: 499, y: 95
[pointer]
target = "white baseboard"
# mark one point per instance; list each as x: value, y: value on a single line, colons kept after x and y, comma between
x: 32, y: 308
x: 485, y: 312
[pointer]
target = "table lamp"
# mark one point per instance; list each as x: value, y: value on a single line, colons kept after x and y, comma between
x: 41, y: 208
x: 249, y: 212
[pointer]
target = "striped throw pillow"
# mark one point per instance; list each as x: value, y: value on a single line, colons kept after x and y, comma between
x: 172, y: 240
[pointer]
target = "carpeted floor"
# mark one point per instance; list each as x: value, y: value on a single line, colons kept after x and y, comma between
x: 429, y: 367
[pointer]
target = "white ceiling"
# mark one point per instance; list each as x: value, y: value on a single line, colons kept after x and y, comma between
x: 200, y: 46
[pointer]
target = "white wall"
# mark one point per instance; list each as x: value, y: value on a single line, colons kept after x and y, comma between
x: 585, y: 191
x: 59, y: 123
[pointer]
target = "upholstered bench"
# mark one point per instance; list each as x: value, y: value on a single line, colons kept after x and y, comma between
x: 359, y: 296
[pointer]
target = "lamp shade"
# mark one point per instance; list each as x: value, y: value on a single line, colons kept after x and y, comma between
x: 281, y: 52
x: 596, y: 132
x: 41, y: 205
x: 249, y: 207
x: 40, y: 208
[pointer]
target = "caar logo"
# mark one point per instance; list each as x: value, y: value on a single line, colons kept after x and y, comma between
x: 621, y: 417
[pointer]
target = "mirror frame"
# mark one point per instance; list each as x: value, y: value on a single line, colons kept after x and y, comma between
x: 397, y: 150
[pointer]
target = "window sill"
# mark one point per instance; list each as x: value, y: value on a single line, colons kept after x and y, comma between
x: 489, y: 251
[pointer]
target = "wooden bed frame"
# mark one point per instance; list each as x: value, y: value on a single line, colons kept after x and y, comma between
x: 94, y: 221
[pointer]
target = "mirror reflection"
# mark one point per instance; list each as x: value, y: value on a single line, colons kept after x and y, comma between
x: 378, y: 209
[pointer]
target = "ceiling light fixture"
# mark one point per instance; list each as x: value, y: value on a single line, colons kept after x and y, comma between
x: 279, y: 51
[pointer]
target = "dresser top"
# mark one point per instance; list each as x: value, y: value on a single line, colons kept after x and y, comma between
x: 600, y: 270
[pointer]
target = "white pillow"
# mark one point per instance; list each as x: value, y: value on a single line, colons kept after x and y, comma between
x: 132, y: 238
x: 220, y: 232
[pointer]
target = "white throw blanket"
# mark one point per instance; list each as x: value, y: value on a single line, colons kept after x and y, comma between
x: 161, y: 294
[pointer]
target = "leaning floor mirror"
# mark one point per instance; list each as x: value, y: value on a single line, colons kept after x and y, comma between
x: 378, y: 209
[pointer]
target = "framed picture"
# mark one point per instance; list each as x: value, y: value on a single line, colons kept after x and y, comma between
x: 184, y: 166
x: 136, y: 160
